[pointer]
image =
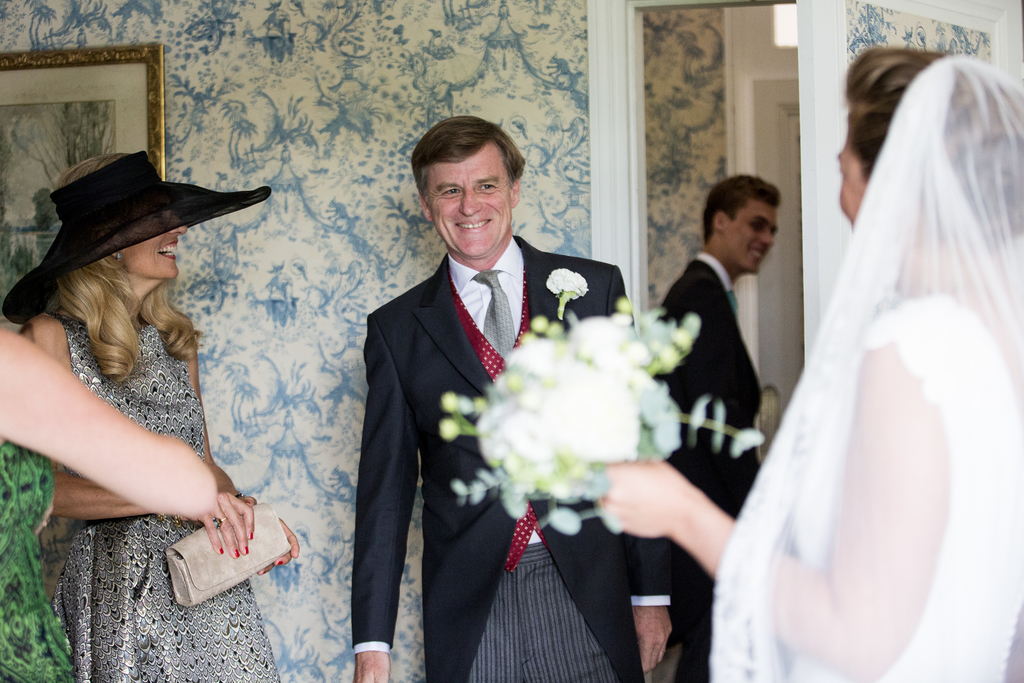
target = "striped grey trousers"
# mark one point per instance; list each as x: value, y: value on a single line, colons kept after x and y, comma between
x: 535, y: 634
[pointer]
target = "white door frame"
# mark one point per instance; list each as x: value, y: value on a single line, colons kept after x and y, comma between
x: 617, y: 163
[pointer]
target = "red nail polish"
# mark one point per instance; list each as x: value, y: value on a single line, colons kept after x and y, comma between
x: 247, y: 550
x: 222, y: 551
x: 250, y: 535
x: 236, y: 554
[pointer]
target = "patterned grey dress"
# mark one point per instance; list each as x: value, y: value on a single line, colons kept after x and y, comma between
x: 114, y: 596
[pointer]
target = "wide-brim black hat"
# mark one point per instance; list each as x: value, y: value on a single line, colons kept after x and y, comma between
x: 121, y: 204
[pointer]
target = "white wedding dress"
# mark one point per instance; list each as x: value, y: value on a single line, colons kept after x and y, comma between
x: 884, y: 537
x: 977, y: 585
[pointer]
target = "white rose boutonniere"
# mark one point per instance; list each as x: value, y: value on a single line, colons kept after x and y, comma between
x: 566, y: 285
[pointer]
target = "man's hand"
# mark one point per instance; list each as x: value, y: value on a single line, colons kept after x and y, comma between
x: 374, y: 666
x: 652, y: 629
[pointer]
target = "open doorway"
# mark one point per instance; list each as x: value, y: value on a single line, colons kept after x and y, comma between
x: 721, y: 98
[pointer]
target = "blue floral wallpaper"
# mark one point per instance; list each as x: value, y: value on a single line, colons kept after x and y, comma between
x: 868, y: 25
x: 684, y: 105
x: 323, y: 100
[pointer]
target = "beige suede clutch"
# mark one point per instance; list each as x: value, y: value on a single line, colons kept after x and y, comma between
x: 199, y: 572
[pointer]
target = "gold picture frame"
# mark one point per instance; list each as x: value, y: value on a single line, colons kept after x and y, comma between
x: 59, y: 107
x: 130, y: 75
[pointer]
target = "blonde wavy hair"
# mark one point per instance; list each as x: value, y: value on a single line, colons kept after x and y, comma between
x: 101, y: 296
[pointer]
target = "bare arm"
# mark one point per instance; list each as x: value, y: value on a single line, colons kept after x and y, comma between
x: 45, y: 408
x: 859, y: 616
x: 77, y: 497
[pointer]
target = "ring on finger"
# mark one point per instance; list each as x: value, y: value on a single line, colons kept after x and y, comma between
x: 217, y: 521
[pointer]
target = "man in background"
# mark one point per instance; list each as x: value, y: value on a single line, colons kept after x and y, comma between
x: 739, y: 229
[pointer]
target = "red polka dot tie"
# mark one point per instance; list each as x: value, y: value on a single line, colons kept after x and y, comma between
x: 525, y: 527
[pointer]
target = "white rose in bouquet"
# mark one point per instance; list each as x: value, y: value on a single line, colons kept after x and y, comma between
x: 593, y: 416
x: 538, y: 359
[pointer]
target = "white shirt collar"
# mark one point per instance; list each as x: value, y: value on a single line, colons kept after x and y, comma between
x: 476, y: 296
x: 719, y: 269
x: 510, y: 264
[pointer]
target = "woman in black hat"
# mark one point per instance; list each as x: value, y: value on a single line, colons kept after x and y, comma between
x: 99, y: 304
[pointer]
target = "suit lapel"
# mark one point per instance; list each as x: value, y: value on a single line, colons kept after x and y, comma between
x: 438, y: 317
x: 538, y: 267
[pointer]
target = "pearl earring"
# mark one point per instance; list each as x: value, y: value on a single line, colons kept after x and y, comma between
x: 118, y: 256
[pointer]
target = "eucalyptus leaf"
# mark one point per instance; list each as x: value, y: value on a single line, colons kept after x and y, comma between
x: 514, y: 503
x: 597, y: 486
x: 477, y: 495
x: 691, y: 323
x: 745, y: 440
x: 667, y: 437
x: 717, y: 440
x: 718, y: 406
x: 611, y: 522
x: 487, y: 477
x: 691, y: 436
x: 699, y: 412
x: 647, y: 448
x: 698, y: 415
x: 656, y: 405
x: 718, y: 436
x: 466, y: 405
x: 460, y: 488
x: 651, y: 404
x: 565, y: 520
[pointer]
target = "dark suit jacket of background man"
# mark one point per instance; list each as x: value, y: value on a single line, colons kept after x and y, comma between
x: 416, y: 349
x: 718, y: 365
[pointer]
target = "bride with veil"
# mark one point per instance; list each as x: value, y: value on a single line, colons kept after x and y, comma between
x: 884, y: 537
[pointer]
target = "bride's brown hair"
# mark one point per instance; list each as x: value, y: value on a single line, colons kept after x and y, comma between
x: 875, y: 83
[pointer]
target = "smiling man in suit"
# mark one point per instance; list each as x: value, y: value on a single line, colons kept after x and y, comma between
x: 739, y: 229
x: 503, y: 599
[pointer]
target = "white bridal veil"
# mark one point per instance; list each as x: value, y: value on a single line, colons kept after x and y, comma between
x: 884, y: 537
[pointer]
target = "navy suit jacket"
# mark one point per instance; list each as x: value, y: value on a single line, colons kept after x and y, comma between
x: 720, y: 366
x: 416, y: 349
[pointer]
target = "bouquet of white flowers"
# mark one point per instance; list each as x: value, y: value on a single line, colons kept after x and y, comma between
x: 569, y: 403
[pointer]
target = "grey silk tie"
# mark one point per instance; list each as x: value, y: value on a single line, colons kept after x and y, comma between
x: 498, y: 327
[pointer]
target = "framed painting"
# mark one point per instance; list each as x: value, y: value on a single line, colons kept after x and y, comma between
x: 58, y: 108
